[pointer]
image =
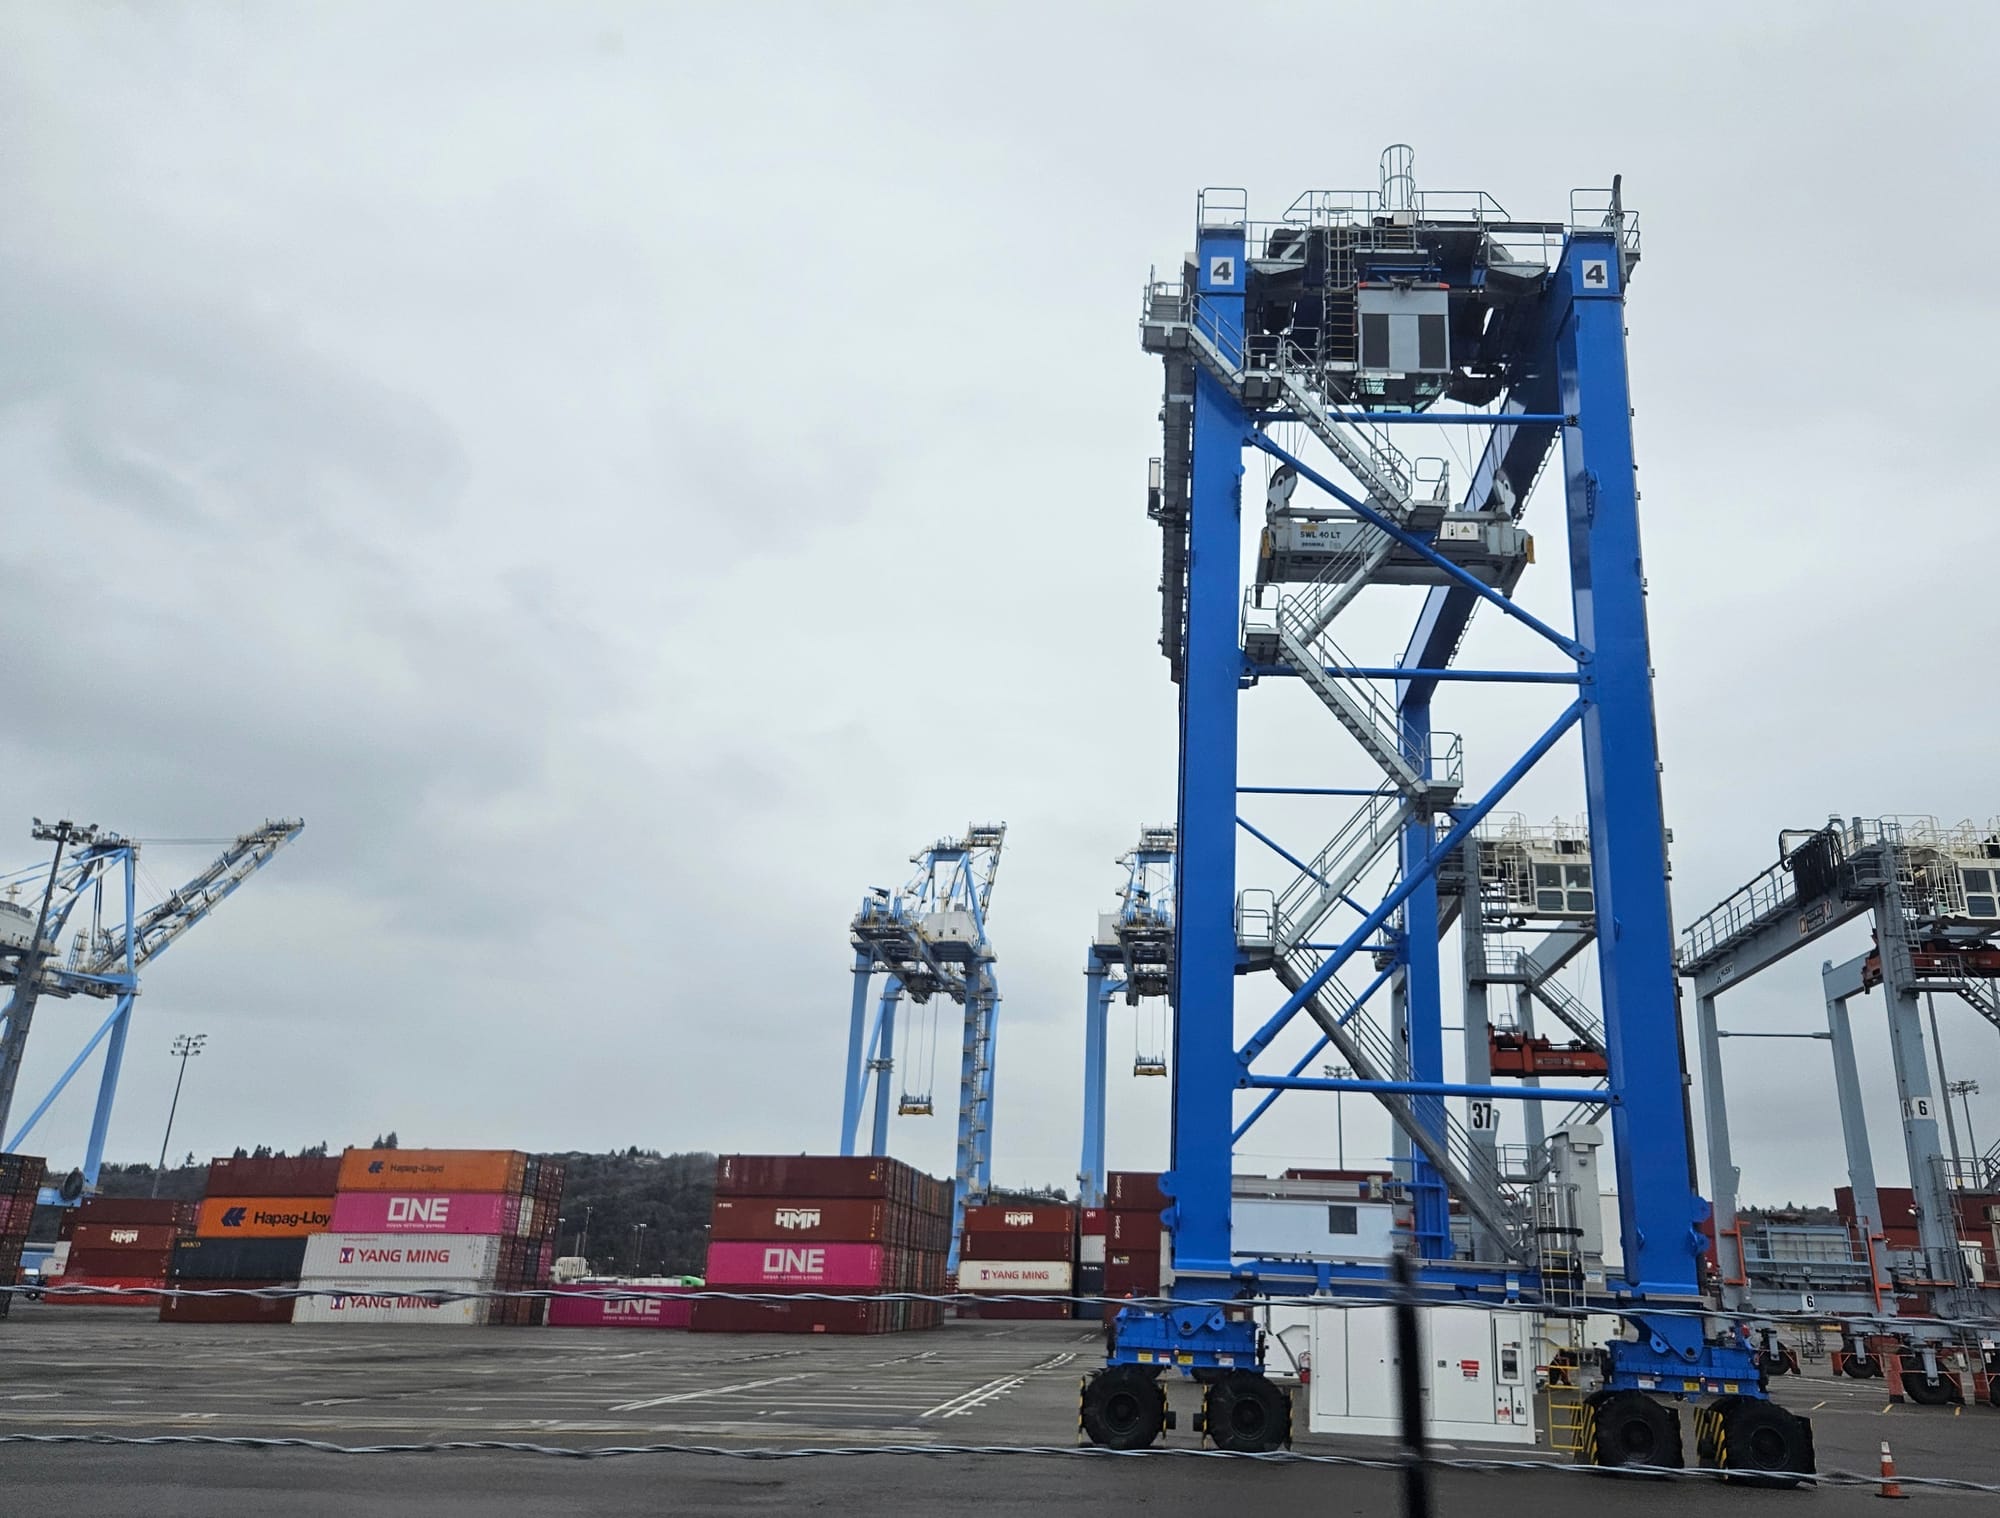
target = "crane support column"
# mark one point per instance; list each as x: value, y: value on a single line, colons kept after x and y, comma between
x: 1198, y: 1187
x: 857, y: 1054
x: 1096, y: 1021
x: 1841, y: 982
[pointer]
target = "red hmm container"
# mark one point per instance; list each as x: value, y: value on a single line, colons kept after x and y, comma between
x: 805, y: 1175
x: 1017, y: 1246
x: 845, y: 1220
x: 997, y: 1219
x: 227, y: 1309
x: 1134, y: 1190
x: 300, y: 1176
x: 107, y: 1238
x: 791, y: 1317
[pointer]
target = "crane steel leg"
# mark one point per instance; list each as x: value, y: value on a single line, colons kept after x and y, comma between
x: 857, y: 1055
x: 883, y: 1066
x: 107, y: 1091
x: 1096, y: 1020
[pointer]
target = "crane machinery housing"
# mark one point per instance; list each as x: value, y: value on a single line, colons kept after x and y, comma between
x: 929, y: 940
x: 1318, y: 340
x: 1131, y: 956
x: 112, y: 941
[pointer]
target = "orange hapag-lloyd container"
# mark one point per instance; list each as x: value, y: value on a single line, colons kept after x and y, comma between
x: 433, y: 1170
x: 264, y: 1217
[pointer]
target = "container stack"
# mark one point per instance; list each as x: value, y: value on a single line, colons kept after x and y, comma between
x: 857, y: 1225
x: 1136, y: 1244
x: 1026, y: 1251
x: 639, y: 1304
x: 123, y: 1242
x: 1093, y: 1231
x: 256, y: 1216
x: 413, y: 1221
x: 20, y: 1180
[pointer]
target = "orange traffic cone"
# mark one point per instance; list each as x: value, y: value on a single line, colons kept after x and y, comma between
x: 1889, y: 1485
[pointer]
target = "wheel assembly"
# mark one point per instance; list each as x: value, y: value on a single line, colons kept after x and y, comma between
x: 1247, y: 1414
x: 1928, y: 1391
x: 1757, y: 1442
x: 1774, y: 1362
x: 1630, y: 1428
x: 1123, y: 1408
x: 1861, y: 1367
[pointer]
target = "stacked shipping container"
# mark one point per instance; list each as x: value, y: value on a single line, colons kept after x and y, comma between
x: 20, y: 1180
x: 251, y: 1232
x: 1018, y: 1251
x: 412, y: 1221
x: 125, y: 1242
x: 859, y: 1225
x: 1136, y: 1244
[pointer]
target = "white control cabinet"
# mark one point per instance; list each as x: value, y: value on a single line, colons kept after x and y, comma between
x: 1478, y: 1373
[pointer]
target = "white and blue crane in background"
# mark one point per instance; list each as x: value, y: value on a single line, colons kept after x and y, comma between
x: 90, y: 891
x: 929, y: 939
x: 1133, y: 956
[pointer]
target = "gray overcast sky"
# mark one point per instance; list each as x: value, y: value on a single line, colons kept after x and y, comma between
x: 629, y: 475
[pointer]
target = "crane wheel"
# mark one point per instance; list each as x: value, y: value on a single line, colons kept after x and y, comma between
x: 1928, y: 1391
x: 1247, y: 1414
x: 1123, y: 1408
x: 1774, y: 1362
x: 1861, y: 1367
x: 1630, y: 1428
x: 1758, y: 1443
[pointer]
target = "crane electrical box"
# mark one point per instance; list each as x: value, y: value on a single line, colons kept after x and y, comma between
x: 1477, y: 1373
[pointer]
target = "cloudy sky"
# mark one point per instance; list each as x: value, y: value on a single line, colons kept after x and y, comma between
x: 629, y: 475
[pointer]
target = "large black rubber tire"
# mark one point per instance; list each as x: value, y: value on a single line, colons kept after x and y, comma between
x: 1247, y: 1414
x: 1861, y: 1367
x: 1764, y: 1444
x: 1938, y: 1393
x: 1774, y: 1362
x: 1123, y: 1408
x: 1631, y: 1428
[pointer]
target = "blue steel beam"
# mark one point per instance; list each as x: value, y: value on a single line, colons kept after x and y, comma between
x: 1205, y: 870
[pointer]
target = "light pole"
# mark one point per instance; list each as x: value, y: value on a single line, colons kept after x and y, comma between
x: 638, y: 1246
x: 1965, y: 1091
x: 583, y: 1239
x: 1340, y: 1073
x: 185, y: 1047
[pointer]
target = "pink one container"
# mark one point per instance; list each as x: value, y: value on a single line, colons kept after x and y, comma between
x: 658, y: 1307
x: 832, y: 1266
x: 426, y: 1212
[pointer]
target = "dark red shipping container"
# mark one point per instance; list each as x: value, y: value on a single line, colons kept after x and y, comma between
x: 134, y: 1209
x: 842, y: 1220
x: 299, y: 1176
x: 791, y: 1317
x: 1134, y: 1230
x: 1016, y: 1311
x: 1135, y: 1190
x: 1095, y: 1220
x: 226, y: 1309
x: 998, y: 1219
x: 1132, y: 1273
x: 133, y: 1296
x: 805, y: 1175
x: 1018, y: 1246
x: 151, y: 1264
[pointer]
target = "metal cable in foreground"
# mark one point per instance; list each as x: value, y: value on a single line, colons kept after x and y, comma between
x: 1046, y: 1451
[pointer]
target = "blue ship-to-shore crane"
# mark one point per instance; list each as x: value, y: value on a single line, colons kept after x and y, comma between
x: 112, y: 943
x: 929, y: 938
x: 1131, y: 956
x: 1354, y: 320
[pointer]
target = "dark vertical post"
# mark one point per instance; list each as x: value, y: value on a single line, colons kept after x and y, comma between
x: 1410, y: 1390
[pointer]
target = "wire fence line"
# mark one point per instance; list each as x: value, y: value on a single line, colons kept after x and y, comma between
x: 1467, y: 1463
x: 415, y: 1291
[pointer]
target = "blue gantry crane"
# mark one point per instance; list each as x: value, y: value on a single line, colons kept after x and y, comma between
x: 89, y: 891
x: 1131, y: 956
x: 1316, y: 341
x: 929, y: 940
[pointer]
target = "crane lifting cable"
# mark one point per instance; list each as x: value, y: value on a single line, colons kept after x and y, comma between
x: 919, y: 1054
